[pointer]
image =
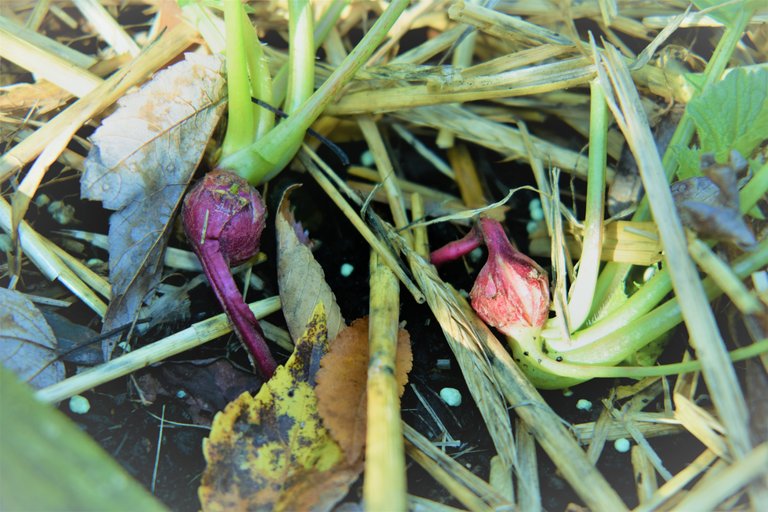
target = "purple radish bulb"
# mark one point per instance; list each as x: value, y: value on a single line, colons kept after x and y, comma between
x: 223, y: 217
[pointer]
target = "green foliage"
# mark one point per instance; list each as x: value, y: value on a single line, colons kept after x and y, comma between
x: 732, y: 114
x: 730, y: 11
x: 47, y: 463
x: 688, y: 160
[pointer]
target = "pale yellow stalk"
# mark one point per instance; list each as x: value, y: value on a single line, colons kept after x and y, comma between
x: 384, y: 485
x: 193, y: 336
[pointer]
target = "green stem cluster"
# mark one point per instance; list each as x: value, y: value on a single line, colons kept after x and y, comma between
x: 614, y: 274
x: 263, y: 158
x: 626, y: 330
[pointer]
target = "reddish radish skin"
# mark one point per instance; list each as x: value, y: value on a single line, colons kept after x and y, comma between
x: 455, y: 250
x: 511, y: 291
x: 223, y: 217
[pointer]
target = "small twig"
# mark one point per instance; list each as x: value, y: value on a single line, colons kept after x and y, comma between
x: 157, y: 453
x: 336, y: 150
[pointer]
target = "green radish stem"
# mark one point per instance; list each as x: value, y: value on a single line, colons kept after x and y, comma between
x: 241, y: 124
x: 322, y: 28
x: 568, y: 372
x: 628, y: 330
x: 266, y: 157
x: 613, y: 274
x: 754, y: 190
x: 301, y: 57
x: 260, y: 80
x: 583, y: 288
x: 653, y: 291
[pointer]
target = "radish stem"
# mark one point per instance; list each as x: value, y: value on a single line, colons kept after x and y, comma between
x: 223, y: 218
x: 240, y: 127
x: 266, y: 157
x: 301, y: 57
x: 260, y: 80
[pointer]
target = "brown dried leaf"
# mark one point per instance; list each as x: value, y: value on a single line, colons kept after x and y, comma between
x: 42, y: 97
x: 27, y: 343
x: 341, y: 384
x: 142, y: 160
x: 72, y: 339
x: 300, y: 278
x: 271, y: 451
x: 710, y: 207
x: 317, y: 491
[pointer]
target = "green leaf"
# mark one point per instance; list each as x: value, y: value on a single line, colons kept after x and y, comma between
x: 47, y: 463
x: 728, y: 13
x: 732, y: 114
x: 696, y: 80
x: 688, y: 160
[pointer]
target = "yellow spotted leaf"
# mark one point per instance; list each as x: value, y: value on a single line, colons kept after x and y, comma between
x: 266, y: 451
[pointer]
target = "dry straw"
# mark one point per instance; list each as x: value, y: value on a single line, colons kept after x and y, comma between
x: 503, y: 71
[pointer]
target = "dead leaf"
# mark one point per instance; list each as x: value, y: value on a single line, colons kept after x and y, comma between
x: 27, y: 343
x: 42, y: 97
x: 72, y: 340
x: 318, y: 490
x: 142, y: 160
x: 709, y: 205
x: 203, y: 387
x: 341, y: 384
x: 262, y: 446
x: 300, y: 278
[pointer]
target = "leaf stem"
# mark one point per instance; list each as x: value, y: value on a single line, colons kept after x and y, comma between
x: 301, y: 56
x: 322, y: 28
x: 583, y: 289
x: 457, y: 249
x: 614, y: 273
x: 260, y: 80
x: 266, y: 157
x: 587, y: 371
x: 626, y: 334
x: 246, y: 326
x: 754, y: 190
x: 241, y: 125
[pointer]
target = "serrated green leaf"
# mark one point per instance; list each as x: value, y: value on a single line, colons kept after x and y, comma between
x: 688, y: 160
x: 732, y: 114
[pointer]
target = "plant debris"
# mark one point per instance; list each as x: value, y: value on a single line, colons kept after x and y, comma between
x: 620, y: 147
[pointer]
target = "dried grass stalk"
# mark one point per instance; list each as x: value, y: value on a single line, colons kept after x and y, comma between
x: 106, y: 93
x: 468, y: 488
x: 717, y: 487
x: 528, y: 490
x: 37, y: 249
x: 705, y: 336
x: 46, y: 59
x: 645, y: 474
x: 107, y: 27
x: 193, y: 336
x: 384, y: 484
